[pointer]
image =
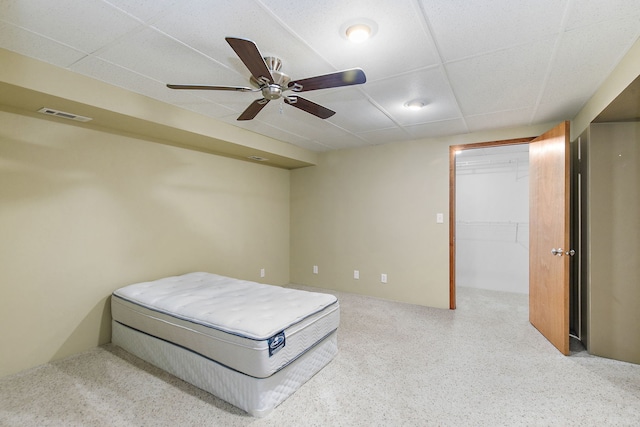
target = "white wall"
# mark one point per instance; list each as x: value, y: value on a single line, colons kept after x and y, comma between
x: 492, y: 224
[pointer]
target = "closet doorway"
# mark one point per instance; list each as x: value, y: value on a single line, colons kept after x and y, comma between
x: 550, y: 224
x: 489, y: 235
x: 492, y: 218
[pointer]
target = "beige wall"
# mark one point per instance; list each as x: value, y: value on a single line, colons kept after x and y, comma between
x: 613, y: 235
x: 374, y: 210
x: 83, y: 212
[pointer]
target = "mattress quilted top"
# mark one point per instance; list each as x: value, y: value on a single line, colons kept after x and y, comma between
x: 240, y: 307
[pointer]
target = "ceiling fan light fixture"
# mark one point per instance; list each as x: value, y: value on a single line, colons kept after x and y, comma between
x: 358, y: 33
x: 415, y: 104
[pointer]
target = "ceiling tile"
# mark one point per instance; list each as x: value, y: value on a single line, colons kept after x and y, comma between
x: 558, y: 111
x: 500, y: 119
x: 468, y: 28
x: 127, y: 79
x: 30, y: 44
x: 315, y: 146
x: 586, y: 56
x: 353, y: 110
x: 437, y: 129
x: 204, y: 25
x: 382, y: 136
x: 503, y: 80
x: 302, y: 123
x: 151, y: 53
x: 267, y: 128
x: 209, y: 109
x: 583, y: 13
x: 345, y: 142
x: 429, y: 85
x: 143, y: 10
x: 233, y: 101
x: 87, y: 25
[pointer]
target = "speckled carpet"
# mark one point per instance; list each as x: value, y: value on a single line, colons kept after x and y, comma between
x: 398, y: 365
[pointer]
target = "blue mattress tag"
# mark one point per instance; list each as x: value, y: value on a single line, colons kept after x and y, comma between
x: 276, y: 342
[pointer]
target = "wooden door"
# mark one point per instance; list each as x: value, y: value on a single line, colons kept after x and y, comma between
x: 549, y: 235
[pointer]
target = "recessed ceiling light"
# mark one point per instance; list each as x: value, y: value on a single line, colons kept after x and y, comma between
x: 358, y: 30
x: 358, y: 33
x: 416, y: 104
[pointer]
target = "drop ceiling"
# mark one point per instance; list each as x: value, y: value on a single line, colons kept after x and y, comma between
x: 478, y: 65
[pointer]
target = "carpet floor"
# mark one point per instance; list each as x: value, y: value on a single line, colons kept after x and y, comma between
x: 398, y: 364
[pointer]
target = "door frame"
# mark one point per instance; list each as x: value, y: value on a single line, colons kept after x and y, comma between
x: 453, y: 149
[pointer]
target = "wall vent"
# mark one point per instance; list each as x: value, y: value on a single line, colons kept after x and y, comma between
x: 257, y: 158
x: 58, y: 113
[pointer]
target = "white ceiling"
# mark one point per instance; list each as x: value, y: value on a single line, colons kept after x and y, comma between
x: 479, y: 64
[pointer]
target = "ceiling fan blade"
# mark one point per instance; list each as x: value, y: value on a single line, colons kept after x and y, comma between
x: 253, y: 109
x: 309, y: 107
x: 249, y: 54
x: 206, y: 87
x: 353, y: 76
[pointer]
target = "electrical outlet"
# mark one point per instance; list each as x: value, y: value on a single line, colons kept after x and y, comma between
x: 262, y: 272
x: 315, y: 269
x: 383, y: 278
x: 356, y: 274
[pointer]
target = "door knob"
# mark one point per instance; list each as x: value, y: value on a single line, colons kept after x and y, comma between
x: 570, y: 252
x: 557, y: 252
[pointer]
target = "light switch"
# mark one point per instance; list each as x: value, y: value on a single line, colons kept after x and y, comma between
x: 440, y: 218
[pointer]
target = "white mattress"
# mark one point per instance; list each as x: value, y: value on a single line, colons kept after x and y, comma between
x: 251, y: 328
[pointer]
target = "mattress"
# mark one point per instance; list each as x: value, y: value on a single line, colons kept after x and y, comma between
x: 248, y: 327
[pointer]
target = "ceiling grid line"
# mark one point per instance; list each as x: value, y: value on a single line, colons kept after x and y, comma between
x: 427, y: 27
x: 552, y: 60
x: 294, y: 33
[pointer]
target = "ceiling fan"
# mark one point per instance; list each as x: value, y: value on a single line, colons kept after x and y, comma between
x: 267, y: 78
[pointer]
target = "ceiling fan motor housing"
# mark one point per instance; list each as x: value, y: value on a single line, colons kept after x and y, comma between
x: 272, y: 91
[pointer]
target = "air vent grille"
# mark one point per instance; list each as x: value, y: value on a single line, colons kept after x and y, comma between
x: 64, y: 115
